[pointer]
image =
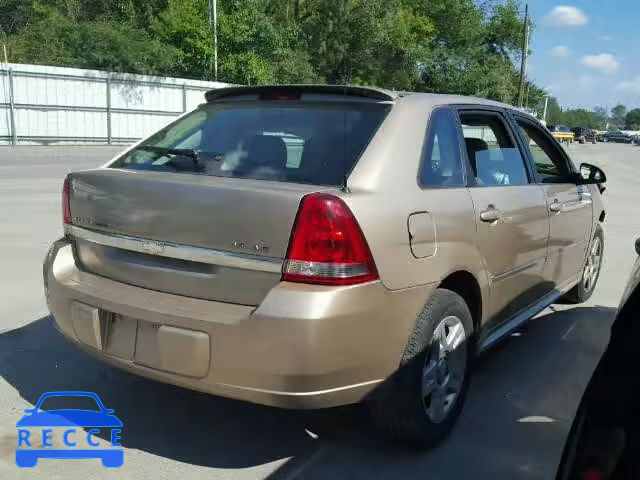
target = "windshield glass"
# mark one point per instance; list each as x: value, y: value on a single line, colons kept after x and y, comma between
x: 300, y: 142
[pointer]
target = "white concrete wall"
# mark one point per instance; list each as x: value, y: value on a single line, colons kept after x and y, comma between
x: 69, y: 105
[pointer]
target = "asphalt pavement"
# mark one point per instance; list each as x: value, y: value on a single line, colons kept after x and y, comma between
x: 523, y: 395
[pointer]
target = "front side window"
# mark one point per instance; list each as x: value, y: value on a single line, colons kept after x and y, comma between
x: 550, y: 163
x: 302, y: 142
x: 495, y: 159
x: 442, y: 162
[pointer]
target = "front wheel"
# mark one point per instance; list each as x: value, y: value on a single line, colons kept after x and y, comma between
x: 591, y: 271
x: 419, y: 404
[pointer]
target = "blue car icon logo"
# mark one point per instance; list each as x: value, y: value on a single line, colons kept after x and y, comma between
x: 41, y: 424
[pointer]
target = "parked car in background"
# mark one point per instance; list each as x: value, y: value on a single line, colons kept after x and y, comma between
x: 604, y: 441
x: 617, y: 137
x: 562, y: 133
x: 600, y: 135
x: 221, y: 255
x: 584, y: 135
x: 636, y: 139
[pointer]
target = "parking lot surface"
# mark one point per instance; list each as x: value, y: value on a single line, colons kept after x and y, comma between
x: 522, y: 399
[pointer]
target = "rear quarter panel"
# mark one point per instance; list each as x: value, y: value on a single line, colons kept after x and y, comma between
x: 384, y: 191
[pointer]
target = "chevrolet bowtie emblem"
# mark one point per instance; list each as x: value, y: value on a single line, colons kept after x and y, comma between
x: 154, y: 248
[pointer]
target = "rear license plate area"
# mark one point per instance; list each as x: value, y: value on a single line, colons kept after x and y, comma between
x: 168, y: 348
x: 121, y: 336
x: 110, y: 332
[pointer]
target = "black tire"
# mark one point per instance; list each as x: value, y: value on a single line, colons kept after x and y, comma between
x: 397, y: 407
x: 579, y: 293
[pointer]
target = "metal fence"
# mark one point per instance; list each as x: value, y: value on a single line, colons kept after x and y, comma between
x: 48, y: 105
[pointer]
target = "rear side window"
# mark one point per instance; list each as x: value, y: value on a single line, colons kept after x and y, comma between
x: 494, y: 158
x: 442, y: 162
x: 288, y: 141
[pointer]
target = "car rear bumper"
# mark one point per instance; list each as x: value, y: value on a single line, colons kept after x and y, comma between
x: 304, y: 346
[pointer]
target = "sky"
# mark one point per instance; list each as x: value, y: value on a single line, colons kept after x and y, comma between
x: 587, y: 52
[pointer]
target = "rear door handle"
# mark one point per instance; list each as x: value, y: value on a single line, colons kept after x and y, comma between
x: 555, y: 206
x: 491, y: 214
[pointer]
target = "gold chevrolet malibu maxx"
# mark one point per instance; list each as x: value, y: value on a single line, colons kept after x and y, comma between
x: 313, y: 246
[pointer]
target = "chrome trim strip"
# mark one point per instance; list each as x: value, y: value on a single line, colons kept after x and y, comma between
x: 499, y: 332
x: 174, y: 250
x: 301, y: 394
x: 518, y: 269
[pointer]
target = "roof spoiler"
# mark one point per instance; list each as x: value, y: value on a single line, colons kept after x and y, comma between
x: 352, y: 91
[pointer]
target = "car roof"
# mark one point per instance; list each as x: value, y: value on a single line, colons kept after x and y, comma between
x: 426, y: 101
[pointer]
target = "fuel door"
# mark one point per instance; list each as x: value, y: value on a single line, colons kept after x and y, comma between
x: 422, y: 234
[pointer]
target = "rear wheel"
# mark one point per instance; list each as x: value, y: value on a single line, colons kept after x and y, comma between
x: 420, y: 403
x: 591, y: 272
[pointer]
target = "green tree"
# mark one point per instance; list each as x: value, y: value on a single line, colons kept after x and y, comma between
x: 454, y: 46
x: 601, y: 116
x: 185, y: 24
x: 53, y: 37
x: 473, y: 49
x: 632, y: 119
x: 257, y: 41
x: 365, y: 41
x: 581, y: 117
x: 618, y: 114
x: 534, y: 97
x: 554, y: 112
x: 14, y: 16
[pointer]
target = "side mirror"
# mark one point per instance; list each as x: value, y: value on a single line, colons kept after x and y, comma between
x: 591, y: 175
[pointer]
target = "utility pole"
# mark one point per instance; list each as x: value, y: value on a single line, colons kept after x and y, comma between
x: 525, y: 53
x: 213, y: 19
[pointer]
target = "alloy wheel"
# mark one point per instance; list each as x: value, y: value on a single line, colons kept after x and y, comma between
x: 592, y: 268
x: 444, y: 368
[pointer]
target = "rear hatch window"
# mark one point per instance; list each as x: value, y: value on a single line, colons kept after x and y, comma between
x: 313, y: 142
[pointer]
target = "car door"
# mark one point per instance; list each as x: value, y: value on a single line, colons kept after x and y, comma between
x: 570, y: 205
x: 511, y: 212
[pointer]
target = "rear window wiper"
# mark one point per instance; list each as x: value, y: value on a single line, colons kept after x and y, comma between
x: 191, y: 153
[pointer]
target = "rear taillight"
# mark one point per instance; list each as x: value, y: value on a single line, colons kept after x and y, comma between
x: 593, y: 474
x: 66, y: 206
x: 280, y: 95
x: 327, y: 246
